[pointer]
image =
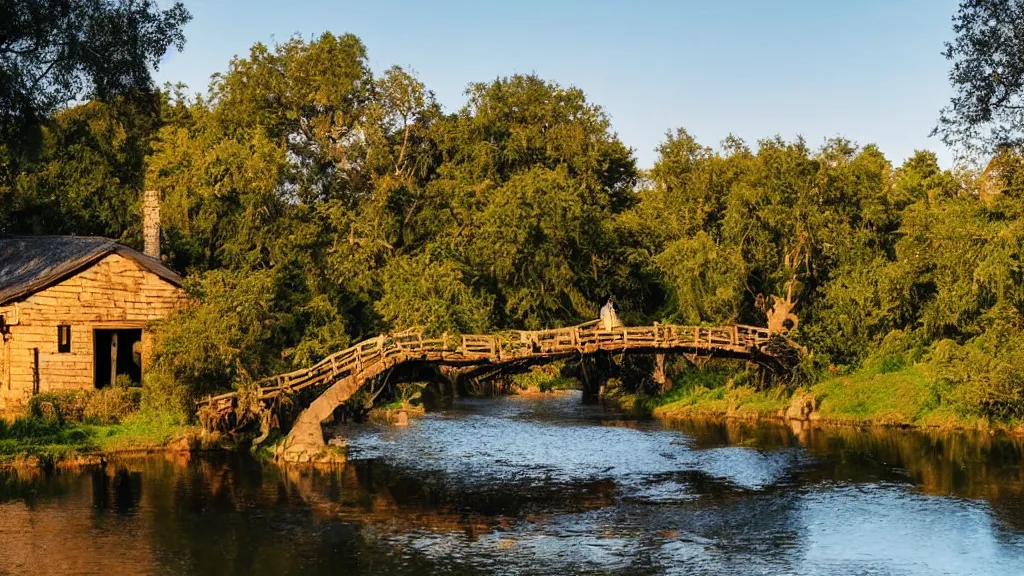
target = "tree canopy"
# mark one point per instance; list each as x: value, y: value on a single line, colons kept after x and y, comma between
x: 987, y: 109
x: 57, y: 52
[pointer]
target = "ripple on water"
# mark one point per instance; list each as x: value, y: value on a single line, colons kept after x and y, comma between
x: 886, y: 527
x: 513, y: 444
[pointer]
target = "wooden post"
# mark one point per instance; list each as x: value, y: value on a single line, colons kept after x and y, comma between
x: 35, y: 371
x: 113, y: 359
x: 659, y: 375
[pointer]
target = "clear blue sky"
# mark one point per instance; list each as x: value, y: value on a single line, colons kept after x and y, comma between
x: 871, y: 70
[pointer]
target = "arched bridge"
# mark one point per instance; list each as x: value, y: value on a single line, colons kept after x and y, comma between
x: 342, y: 374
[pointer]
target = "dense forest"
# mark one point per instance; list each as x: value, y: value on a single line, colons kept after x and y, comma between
x: 312, y: 202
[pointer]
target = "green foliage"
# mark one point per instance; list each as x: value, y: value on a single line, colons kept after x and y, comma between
x: 544, y: 378
x: 418, y: 291
x: 59, y: 407
x: 986, y: 374
x: 88, y: 173
x: 530, y: 179
x: 685, y: 382
x: 112, y: 405
x: 104, y: 406
x: 987, y: 76
x: 313, y: 204
x: 718, y: 389
x: 54, y: 53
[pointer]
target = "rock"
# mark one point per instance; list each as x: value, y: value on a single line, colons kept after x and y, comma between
x: 182, y: 444
x: 801, y: 406
x: 401, y: 418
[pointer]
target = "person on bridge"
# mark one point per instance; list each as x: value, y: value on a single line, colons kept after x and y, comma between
x: 608, y: 318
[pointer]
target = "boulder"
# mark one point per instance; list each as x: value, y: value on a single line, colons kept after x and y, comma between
x: 801, y: 406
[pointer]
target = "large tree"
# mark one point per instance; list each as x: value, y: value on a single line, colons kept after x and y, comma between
x: 88, y: 175
x: 532, y: 174
x: 987, y: 109
x: 56, y: 51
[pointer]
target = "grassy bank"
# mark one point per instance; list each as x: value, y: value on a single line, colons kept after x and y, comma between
x: 68, y: 425
x: 28, y: 438
x: 907, y: 396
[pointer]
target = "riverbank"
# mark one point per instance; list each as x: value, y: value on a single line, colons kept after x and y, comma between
x: 34, y: 443
x: 907, y: 398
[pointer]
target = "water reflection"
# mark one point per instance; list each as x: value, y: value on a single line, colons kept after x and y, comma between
x: 541, y: 487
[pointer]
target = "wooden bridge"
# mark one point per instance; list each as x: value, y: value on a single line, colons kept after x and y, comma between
x: 342, y: 374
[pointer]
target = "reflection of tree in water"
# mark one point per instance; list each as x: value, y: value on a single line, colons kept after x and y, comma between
x: 390, y: 499
x: 231, y: 515
x: 120, y: 493
x: 976, y: 465
x: 969, y: 465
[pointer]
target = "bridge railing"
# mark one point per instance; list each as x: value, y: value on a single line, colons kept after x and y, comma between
x: 367, y: 355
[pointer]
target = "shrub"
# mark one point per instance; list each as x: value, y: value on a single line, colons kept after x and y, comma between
x: 60, y: 406
x: 165, y: 396
x: 112, y: 405
x: 105, y: 406
x: 985, y: 376
x: 897, y: 351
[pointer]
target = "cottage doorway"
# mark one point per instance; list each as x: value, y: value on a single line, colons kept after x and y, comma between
x: 116, y: 352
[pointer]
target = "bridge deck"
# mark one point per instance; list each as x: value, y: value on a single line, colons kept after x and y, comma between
x: 355, y: 365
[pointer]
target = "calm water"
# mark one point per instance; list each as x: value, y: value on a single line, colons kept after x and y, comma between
x: 541, y: 486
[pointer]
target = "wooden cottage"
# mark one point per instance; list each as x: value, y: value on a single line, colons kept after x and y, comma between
x: 74, y: 313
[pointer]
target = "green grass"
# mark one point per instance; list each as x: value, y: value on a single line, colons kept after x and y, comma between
x: 718, y: 391
x: 904, y: 396
x: 882, y: 394
x: 739, y: 401
x: 52, y: 442
x: 139, y: 432
x: 907, y: 396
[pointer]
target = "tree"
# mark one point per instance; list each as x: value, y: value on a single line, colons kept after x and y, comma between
x: 987, y: 109
x: 88, y: 175
x: 298, y: 167
x: 56, y: 51
x: 531, y: 176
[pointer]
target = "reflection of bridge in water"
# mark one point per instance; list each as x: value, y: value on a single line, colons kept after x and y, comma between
x: 335, y: 379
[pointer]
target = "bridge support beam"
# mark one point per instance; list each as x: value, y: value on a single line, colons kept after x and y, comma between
x: 659, y: 376
x: 305, y: 442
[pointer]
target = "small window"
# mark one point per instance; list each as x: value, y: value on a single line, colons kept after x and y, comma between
x: 64, y: 339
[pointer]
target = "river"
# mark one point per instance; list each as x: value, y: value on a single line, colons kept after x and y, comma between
x: 546, y: 486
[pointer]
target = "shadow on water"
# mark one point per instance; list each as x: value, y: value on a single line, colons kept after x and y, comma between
x: 541, y: 486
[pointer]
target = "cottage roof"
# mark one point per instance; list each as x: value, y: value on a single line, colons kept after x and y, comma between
x: 29, y: 264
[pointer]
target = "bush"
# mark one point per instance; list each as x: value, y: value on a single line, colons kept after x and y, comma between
x: 985, y: 375
x: 60, y: 406
x: 105, y: 406
x: 544, y: 378
x: 898, y: 350
x: 166, y: 397
x: 983, y: 381
x: 112, y: 405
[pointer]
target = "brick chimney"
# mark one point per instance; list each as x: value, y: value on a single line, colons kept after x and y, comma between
x: 151, y: 223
